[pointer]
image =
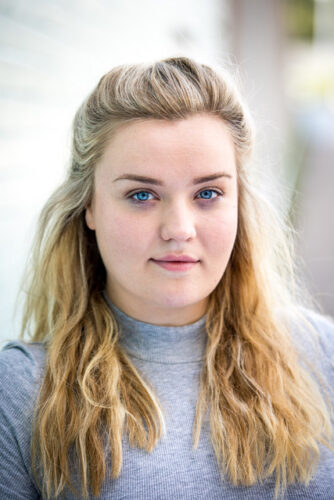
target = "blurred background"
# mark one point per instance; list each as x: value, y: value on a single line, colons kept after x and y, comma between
x: 52, y: 53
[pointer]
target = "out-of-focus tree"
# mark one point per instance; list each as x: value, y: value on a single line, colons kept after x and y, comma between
x: 299, y: 15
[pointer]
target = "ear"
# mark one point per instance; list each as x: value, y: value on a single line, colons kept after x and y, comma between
x: 89, y: 217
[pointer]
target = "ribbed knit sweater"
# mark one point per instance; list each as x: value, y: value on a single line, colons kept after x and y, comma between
x: 170, y: 359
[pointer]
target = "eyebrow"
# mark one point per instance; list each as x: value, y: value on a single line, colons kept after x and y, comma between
x: 157, y: 182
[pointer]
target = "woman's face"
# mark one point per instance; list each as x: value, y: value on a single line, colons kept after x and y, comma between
x: 174, y: 209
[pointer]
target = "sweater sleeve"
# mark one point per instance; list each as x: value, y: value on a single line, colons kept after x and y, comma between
x: 315, y: 348
x: 325, y: 328
x: 20, y: 375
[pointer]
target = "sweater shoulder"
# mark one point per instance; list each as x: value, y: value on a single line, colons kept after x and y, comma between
x: 22, y: 357
x: 21, y: 370
x: 21, y: 374
x: 314, y: 328
x: 312, y: 334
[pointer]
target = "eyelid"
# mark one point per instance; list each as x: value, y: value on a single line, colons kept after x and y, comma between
x: 135, y: 191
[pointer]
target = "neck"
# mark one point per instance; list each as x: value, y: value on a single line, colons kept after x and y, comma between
x: 155, y: 315
x: 157, y: 343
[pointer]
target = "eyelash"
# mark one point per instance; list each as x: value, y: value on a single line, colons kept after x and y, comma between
x: 142, y: 202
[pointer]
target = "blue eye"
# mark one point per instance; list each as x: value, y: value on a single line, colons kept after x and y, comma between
x: 140, y: 196
x: 207, y: 193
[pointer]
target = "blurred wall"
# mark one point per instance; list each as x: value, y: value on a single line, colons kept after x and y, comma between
x: 309, y: 82
x: 286, y: 52
x: 258, y: 45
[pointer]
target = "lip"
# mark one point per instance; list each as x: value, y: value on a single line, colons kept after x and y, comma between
x: 176, y: 258
x: 175, y: 266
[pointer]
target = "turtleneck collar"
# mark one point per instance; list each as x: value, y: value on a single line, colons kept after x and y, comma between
x: 162, y: 344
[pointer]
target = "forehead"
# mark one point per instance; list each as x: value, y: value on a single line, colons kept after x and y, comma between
x: 196, y: 142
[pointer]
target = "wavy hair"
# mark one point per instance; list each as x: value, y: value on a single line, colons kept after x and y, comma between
x: 267, y: 414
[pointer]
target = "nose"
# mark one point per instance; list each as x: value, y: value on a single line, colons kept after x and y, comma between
x: 178, y: 223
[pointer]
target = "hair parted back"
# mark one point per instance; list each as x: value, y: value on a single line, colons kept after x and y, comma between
x: 251, y: 381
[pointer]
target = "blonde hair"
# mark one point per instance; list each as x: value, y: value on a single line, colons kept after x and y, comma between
x: 267, y: 415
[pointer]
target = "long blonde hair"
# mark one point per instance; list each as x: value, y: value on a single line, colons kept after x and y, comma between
x: 267, y: 415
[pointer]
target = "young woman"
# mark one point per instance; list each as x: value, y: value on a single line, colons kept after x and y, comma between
x: 170, y: 357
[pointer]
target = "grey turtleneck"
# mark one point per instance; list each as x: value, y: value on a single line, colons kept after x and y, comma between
x: 170, y: 359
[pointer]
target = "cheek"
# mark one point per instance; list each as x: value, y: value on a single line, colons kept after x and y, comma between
x: 220, y: 232
x: 122, y: 235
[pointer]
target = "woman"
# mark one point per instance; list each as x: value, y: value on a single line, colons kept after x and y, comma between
x: 169, y: 355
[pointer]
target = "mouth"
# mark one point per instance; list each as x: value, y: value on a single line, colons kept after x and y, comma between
x: 175, y: 265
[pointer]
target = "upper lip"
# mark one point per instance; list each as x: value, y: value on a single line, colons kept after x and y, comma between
x: 177, y: 258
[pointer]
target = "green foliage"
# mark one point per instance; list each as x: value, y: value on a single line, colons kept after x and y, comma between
x: 299, y: 18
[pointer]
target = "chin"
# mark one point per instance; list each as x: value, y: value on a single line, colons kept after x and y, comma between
x: 175, y: 301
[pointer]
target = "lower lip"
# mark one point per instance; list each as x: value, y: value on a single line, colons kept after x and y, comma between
x: 175, y: 266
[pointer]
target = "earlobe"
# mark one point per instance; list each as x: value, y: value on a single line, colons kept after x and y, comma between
x: 89, y: 218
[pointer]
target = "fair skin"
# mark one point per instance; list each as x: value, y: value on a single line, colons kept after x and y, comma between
x: 175, y: 216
